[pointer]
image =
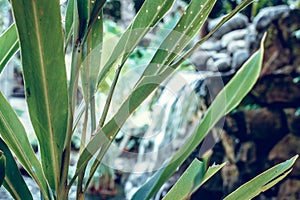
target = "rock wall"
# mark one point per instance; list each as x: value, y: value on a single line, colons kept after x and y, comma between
x: 265, y: 129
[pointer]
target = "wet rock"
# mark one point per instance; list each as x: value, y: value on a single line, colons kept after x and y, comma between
x: 251, y: 38
x: 212, y: 45
x: 289, y: 189
x: 222, y: 65
x: 247, y: 153
x: 230, y: 176
x: 233, y: 35
x: 201, y: 60
x: 284, y: 150
x: 217, y: 56
x: 277, y: 91
x: 257, y: 124
x: 288, y: 25
x: 239, y: 57
x: 239, y: 21
x: 294, y: 126
x: 265, y: 124
x: 236, y: 45
x: 267, y: 15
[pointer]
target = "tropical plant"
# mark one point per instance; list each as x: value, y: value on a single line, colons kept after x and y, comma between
x: 51, y: 96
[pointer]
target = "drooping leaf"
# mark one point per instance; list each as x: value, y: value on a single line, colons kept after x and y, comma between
x: 8, y: 45
x: 148, y: 16
x: 186, y: 28
x: 263, y: 182
x: 146, y: 85
x: 41, y: 42
x: 231, y: 95
x: 14, y: 135
x: 14, y: 182
x: 2, y: 166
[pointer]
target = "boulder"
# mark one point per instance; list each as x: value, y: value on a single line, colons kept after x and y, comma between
x: 239, y: 21
x: 239, y: 57
x: 222, y: 65
x: 233, y: 35
x: 278, y: 90
x: 264, y: 18
x: 284, y: 150
x: 289, y: 189
x: 236, y: 45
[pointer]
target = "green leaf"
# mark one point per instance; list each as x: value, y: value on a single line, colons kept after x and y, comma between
x: 14, y: 135
x: 69, y: 20
x: 147, y: 84
x: 263, y: 181
x: 83, y: 14
x: 9, y: 45
x: 184, y: 31
x: 148, y: 16
x: 2, y: 166
x: 191, y: 180
x: 14, y: 182
x: 184, y: 186
x: 41, y: 42
x: 231, y: 95
x: 91, y: 66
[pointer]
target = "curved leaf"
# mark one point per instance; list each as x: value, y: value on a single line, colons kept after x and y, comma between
x: 14, y: 135
x: 263, y: 181
x: 147, y: 84
x: 231, y: 95
x: 2, y: 166
x: 9, y: 45
x: 191, y: 180
x: 148, y: 16
x: 14, y: 182
x: 186, y: 28
x: 41, y: 41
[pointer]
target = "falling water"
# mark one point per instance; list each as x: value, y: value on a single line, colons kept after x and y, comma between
x: 178, y: 108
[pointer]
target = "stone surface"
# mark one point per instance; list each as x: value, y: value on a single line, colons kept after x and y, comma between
x: 200, y: 60
x: 239, y: 57
x: 236, y: 45
x: 239, y: 21
x: 277, y: 90
x: 223, y: 64
x: 284, y: 150
x: 233, y: 35
x: 289, y: 190
x: 268, y: 14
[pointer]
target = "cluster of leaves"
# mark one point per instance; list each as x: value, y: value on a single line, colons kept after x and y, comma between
x: 51, y: 97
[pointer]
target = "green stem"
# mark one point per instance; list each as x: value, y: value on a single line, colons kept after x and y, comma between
x: 109, y: 98
x: 76, y: 60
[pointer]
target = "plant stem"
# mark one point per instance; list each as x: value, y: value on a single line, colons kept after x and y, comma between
x: 76, y: 61
x: 109, y: 98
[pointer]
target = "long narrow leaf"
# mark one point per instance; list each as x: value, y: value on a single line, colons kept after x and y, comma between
x: 148, y: 16
x: 2, y: 166
x: 191, y: 180
x: 263, y: 181
x: 91, y: 66
x: 146, y: 85
x: 186, y: 28
x: 14, y: 135
x: 14, y: 182
x: 41, y: 41
x: 69, y: 20
x: 8, y: 45
x: 227, y: 99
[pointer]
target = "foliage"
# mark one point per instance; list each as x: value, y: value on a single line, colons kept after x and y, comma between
x: 52, y: 97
